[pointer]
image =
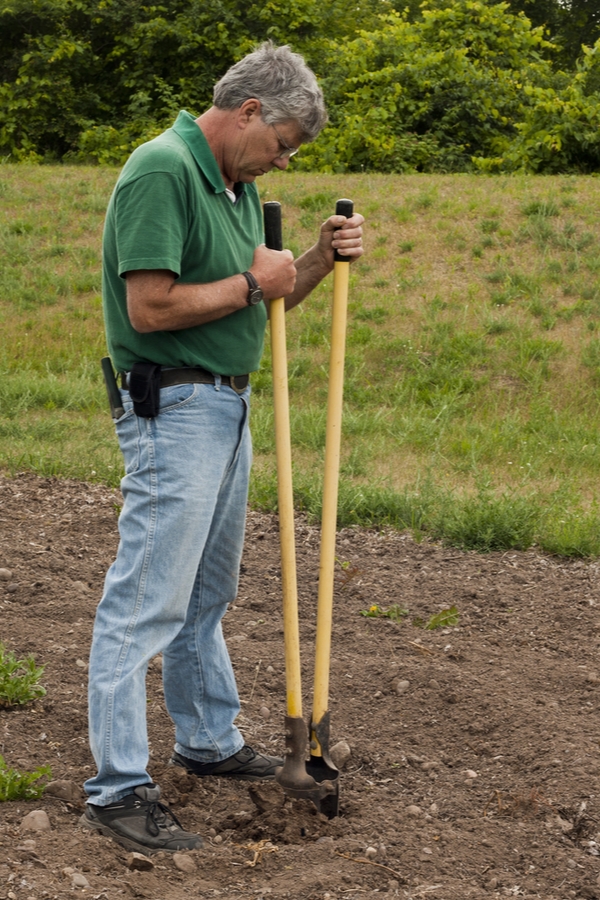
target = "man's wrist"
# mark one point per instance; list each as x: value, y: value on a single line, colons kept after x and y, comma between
x: 255, y: 294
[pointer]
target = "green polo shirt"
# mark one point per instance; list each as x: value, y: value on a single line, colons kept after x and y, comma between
x: 169, y: 210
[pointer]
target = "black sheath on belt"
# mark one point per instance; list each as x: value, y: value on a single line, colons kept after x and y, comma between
x: 144, y: 389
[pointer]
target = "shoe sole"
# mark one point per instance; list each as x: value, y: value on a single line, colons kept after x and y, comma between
x: 128, y: 843
x: 233, y: 775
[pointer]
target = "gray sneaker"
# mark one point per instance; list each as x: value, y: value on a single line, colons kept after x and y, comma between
x: 139, y: 822
x: 246, y: 764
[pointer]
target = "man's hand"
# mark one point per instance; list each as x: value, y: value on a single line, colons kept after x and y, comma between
x: 343, y: 235
x: 275, y: 272
x: 337, y: 233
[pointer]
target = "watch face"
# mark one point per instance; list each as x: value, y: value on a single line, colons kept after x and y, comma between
x: 254, y: 296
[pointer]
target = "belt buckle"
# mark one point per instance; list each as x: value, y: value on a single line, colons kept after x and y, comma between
x: 231, y: 381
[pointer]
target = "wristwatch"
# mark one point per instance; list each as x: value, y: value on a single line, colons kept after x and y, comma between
x: 255, y: 294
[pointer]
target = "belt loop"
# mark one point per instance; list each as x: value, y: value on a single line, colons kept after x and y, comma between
x: 217, y: 382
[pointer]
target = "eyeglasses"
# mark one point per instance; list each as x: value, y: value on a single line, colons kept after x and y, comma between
x: 288, y: 151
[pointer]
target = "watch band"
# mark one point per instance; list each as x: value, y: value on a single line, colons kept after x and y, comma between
x: 252, y: 282
x: 255, y: 294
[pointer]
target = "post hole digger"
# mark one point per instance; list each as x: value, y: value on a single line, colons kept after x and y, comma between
x: 317, y: 778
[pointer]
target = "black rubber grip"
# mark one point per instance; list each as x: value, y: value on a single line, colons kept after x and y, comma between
x: 272, y: 222
x: 343, y: 208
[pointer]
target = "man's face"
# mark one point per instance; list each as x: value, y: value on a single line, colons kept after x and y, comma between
x: 262, y: 147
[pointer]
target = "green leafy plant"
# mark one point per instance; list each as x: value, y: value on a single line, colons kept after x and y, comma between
x: 395, y: 612
x: 443, y: 619
x: 16, y: 785
x: 19, y: 679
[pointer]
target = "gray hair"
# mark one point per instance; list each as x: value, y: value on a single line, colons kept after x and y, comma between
x: 281, y: 80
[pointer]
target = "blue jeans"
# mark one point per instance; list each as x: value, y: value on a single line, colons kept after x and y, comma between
x: 182, y: 531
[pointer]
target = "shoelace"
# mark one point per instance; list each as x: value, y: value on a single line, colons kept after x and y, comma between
x: 158, y: 816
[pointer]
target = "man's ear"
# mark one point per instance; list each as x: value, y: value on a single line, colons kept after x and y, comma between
x: 249, y: 109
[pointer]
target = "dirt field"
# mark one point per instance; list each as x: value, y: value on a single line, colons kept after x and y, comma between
x: 475, y: 750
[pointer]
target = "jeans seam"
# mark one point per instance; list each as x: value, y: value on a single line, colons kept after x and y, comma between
x: 140, y: 592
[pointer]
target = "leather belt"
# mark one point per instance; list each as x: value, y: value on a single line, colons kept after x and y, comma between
x: 194, y: 375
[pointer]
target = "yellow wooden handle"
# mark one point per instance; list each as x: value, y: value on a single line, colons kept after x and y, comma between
x: 285, y: 496
x: 341, y: 276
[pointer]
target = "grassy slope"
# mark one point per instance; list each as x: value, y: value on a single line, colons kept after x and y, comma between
x: 473, y: 363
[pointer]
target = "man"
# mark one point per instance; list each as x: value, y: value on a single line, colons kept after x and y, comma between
x: 186, y: 282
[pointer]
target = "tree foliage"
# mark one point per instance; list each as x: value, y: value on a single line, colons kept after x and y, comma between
x: 467, y: 85
x: 444, y: 85
x: 95, y: 77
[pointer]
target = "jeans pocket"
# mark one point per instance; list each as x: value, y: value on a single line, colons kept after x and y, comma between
x: 177, y: 395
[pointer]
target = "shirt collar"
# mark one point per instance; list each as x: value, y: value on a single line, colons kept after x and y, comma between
x: 187, y: 129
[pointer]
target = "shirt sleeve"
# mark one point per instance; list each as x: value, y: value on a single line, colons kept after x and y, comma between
x: 151, y: 223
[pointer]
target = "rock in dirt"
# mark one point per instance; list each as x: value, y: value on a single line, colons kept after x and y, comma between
x: 5, y: 574
x: 36, y: 820
x: 402, y: 686
x: 64, y: 790
x: 184, y: 863
x: 79, y: 881
x: 340, y: 754
x: 265, y: 712
x: 137, y: 862
x: 266, y: 797
x: 414, y: 811
x: 371, y: 852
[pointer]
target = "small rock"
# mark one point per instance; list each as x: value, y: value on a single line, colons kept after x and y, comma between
x: 5, y: 574
x: 139, y: 862
x: 371, y: 852
x: 80, y: 586
x: 64, y: 790
x: 217, y: 839
x: 592, y: 678
x: 571, y: 864
x: 414, y: 811
x: 265, y: 712
x: 433, y: 809
x: 79, y: 880
x: 12, y: 588
x: 382, y: 851
x: 340, y: 754
x: 29, y: 844
x: 434, y: 685
x: 11, y: 895
x: 492, y: 884
x: 184, y: 863
x: 68, y: 871
x: 270, y: 670
x: 36, y: 820
x: 470, y: 773
x: 402, y: 687
x: 81, y: 663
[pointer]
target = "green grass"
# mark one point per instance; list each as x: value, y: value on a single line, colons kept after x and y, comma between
x: 472, y: 391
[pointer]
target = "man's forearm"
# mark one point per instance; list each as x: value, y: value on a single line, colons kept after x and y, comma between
x: 312, y: 268
x: 156, y: 302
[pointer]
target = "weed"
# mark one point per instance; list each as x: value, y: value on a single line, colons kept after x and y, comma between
x: 541, y: 208
x: 19, y: 679
x: 444, y: 619
x: 16, y: 785
x: 395, y: 612
x: 488, y: 226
